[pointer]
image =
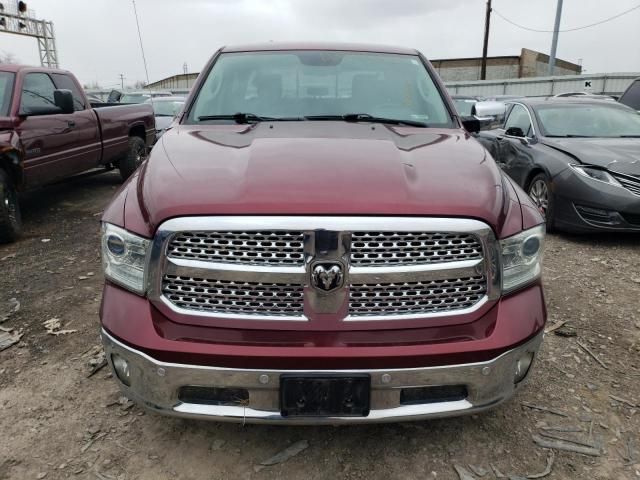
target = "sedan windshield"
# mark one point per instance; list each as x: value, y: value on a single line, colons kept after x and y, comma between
x: 166, y: 108
x: 588, y: 120
x: 135, y: 98
x: 319, y: 85
x: 6, y: 86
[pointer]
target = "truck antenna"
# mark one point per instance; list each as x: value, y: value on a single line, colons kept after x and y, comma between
x: 144, y: 59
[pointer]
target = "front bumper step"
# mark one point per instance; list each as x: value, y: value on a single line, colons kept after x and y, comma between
x: 156, y: 386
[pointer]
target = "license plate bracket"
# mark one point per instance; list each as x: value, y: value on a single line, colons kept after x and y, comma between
x: 325, y: 395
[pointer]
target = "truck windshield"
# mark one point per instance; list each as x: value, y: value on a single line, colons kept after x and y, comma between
x: 295, y: 85
x: 6, y: 87
x: 588, y: 120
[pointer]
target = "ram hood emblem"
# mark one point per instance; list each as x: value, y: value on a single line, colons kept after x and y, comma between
x: 327, y: 276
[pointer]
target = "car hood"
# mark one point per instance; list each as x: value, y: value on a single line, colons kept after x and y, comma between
x: 616, y: 154
x: 322, y: 168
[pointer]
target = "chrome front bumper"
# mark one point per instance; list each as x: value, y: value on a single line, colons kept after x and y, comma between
x: 155, y: 386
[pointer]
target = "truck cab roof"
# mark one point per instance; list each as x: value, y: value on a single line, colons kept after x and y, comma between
x: 330, y: 46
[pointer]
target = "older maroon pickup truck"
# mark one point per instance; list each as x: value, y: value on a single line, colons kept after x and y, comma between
x: 318, y: 239
x: 49, y: 131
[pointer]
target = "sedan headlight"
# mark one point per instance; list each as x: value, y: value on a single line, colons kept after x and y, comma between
x: 595, y: 173
x: 522, y: 258
x: 124, y: 257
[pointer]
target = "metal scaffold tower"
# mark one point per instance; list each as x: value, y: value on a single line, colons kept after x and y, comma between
x: 15, y: 18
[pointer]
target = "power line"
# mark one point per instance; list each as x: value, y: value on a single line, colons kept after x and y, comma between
x: 567, y: 29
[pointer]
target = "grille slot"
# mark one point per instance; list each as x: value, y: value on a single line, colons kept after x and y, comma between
x: 251, y: 248
x: 228, y: 297
x: 370, y: 249
x: 630, y: 183
x: 415, y: 297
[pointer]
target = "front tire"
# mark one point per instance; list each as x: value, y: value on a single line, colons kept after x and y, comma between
x: 540, y: 193
x: 10, y: 218
x: 136, y: 155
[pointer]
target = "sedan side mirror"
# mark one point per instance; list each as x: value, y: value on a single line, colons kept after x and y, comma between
x: 514, y: 132
x: 64, y: 100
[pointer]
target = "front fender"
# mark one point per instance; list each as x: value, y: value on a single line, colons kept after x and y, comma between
x: 12, y: 155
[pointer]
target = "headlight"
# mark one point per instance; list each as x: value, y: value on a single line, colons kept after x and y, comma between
x: 596, y: 174
x: 124, y: 257
x: 522, y: 258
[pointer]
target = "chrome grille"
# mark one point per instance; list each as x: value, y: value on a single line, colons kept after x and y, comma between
x: 403, y: 248
x: 253, y: 248
x: 228, y: 297
x: 264, y: 267
x: 416, y: 297
x: 630, y: 183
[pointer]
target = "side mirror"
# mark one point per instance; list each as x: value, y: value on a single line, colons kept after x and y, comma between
x: 489, y: 109
x: 64, y: 100
x: 471, y: 124
x: 514, y: 132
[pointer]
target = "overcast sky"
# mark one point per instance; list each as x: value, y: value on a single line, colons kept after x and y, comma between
x: 98, y: 40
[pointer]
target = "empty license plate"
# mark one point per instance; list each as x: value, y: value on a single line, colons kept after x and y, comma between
x: 320, y: 396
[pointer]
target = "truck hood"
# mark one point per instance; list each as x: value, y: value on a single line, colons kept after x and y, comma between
x: 616, y: 154
x: 322, y: 168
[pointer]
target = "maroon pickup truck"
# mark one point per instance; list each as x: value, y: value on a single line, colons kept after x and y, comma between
x: 49, y: 131
x: 319, y: 239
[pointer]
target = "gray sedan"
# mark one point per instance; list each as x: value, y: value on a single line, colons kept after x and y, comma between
x: 579, y: 160
x: 165, y: 110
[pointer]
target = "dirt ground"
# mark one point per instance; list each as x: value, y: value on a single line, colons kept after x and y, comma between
x: 55, y: 422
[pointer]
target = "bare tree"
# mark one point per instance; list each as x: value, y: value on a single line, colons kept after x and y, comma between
x: 8, y: 57
x: 139, y: 85
x: 94, y: 85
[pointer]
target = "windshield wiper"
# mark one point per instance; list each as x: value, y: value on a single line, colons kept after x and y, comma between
x: 242, y: 117
x: 366, y: 117
x: 629, y: 136
x: 239, y: 117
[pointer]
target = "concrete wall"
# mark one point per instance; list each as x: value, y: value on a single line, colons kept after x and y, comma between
x: 182, y: 81
x: 461, y: 69
x: 529, y: 64
x: 536, y: 64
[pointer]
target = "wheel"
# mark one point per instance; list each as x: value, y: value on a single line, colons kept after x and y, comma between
x: 136, y: 154
x: 540, y: 192
x: 10, y: 219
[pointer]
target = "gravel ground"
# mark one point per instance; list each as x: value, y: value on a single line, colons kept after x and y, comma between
x: 56, y: 422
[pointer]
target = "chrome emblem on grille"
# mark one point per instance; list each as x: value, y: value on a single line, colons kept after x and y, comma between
x: 327, y: 276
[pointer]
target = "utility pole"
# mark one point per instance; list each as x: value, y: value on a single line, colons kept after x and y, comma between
x: 122, y: 81
x: 483, y: 69
x: 554, y: 42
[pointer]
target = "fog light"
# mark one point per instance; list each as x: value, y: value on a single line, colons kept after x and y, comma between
x: 121, y: 366
x: 522, y: 367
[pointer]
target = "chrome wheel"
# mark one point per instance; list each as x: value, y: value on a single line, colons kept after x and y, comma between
x: 539, y: 193
x: 140, y: 156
